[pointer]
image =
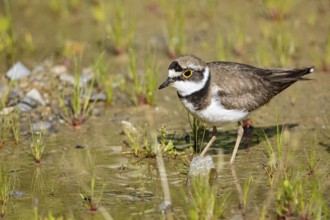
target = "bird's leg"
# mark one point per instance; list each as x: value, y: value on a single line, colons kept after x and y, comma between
x: 240, y: 132
x: 214, y: 137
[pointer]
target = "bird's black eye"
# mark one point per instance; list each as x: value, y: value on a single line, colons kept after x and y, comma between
x: 186, y: 74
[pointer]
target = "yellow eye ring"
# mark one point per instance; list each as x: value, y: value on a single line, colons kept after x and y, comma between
x: 186, y: 74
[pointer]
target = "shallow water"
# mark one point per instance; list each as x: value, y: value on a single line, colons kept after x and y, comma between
x: 130, y: 186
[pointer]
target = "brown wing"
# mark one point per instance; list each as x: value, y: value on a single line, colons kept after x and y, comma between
x: 246, y: 87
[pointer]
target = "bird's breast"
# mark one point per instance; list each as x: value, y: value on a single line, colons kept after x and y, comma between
x: 215, y: 113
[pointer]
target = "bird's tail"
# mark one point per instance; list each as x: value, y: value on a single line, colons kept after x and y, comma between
x: 288, y: 75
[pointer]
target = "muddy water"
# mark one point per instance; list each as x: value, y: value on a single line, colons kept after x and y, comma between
x: 130, y: 186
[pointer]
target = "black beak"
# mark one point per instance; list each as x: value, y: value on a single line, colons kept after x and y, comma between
x: 167, y: 82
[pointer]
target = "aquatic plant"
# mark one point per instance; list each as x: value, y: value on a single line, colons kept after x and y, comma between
x: 103, y: 77
x: 121, y: 31
x: 325, y: 55
x: 6, y: 186
x: 198, y: 132
x: 151, y: 78
x: 99, y: 11
x: 175, y: 32
x: 58, y: 7
x: 78, y: 108
x: 138, y: 140
x: 9, y: 124
x: 37, y: 145
x: 145, y: 85
x: 15, y: 125
x: 166, y: 145
x: 293, y: 201
x: 283, y: 45
x: 8, y: 41
x: 221, y: 49
x: 4, y: 128
x: 312, y: 157
x: 205, y: 203
x: 90, y: 197
x: 278, y: 9
x: 246, y: 190
x: 263, y: 57
x: 237, y: 39
x: 275, y: 157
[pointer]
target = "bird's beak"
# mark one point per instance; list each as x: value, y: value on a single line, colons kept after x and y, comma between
x: 167, y: 82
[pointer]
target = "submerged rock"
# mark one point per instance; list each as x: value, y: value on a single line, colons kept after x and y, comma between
x: 17, y: 71
x: 42, y: 126
x: 128, y: 128
x: 17, y: 194
x: 201, y: 166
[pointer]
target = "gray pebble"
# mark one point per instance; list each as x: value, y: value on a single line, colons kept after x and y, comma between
x: 36, y: 96
x: 98, y: 97
x: 17, y: 71
x: 42, y: 126
x: 23, y: 107
x: 201, y: 166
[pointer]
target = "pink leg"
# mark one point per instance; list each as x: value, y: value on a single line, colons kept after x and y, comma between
x: 214, y: 137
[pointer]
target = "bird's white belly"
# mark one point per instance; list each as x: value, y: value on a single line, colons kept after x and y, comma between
x: 216, y: 114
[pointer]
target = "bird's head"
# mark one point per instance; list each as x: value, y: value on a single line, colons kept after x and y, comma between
x: 188, y: 74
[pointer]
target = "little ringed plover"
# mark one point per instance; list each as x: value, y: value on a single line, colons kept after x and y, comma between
x: 219, y: 92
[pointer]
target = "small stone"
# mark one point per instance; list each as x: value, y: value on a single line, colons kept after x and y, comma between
x: 38, y: 69
x: 29, y: 101
x: 65, y: 77
x: 35, y: 95
x: 98, y: 97
x: 79, y: 146
x: 17, y: 71
x: 16, y: 194
x: 128, y: 128
x: 59, y: 69
x: 7, y: 111
x: 23, y: 107
x: 84, y: 78
x: 42, y: 126
x: 201, y: 166
x: 3, y: 90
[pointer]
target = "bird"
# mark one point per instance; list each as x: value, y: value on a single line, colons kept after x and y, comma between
x: 221, y: 91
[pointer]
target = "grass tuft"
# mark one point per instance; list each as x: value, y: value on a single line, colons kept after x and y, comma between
x: 78, y: 108
x: 176, y: 35
x: 198, y: 131
x: 277, y: 10
x: 205, y: 203
x: 37, y: 145
x: 103, y: 78
x: 121, y: 31
x: 6, y: 186
x: 144, y: 86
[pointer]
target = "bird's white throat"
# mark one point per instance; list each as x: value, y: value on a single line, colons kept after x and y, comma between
x: 187, y: 87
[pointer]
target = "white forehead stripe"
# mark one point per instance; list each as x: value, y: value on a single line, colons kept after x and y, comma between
x: 173, y: 73
x: 186, y: 87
